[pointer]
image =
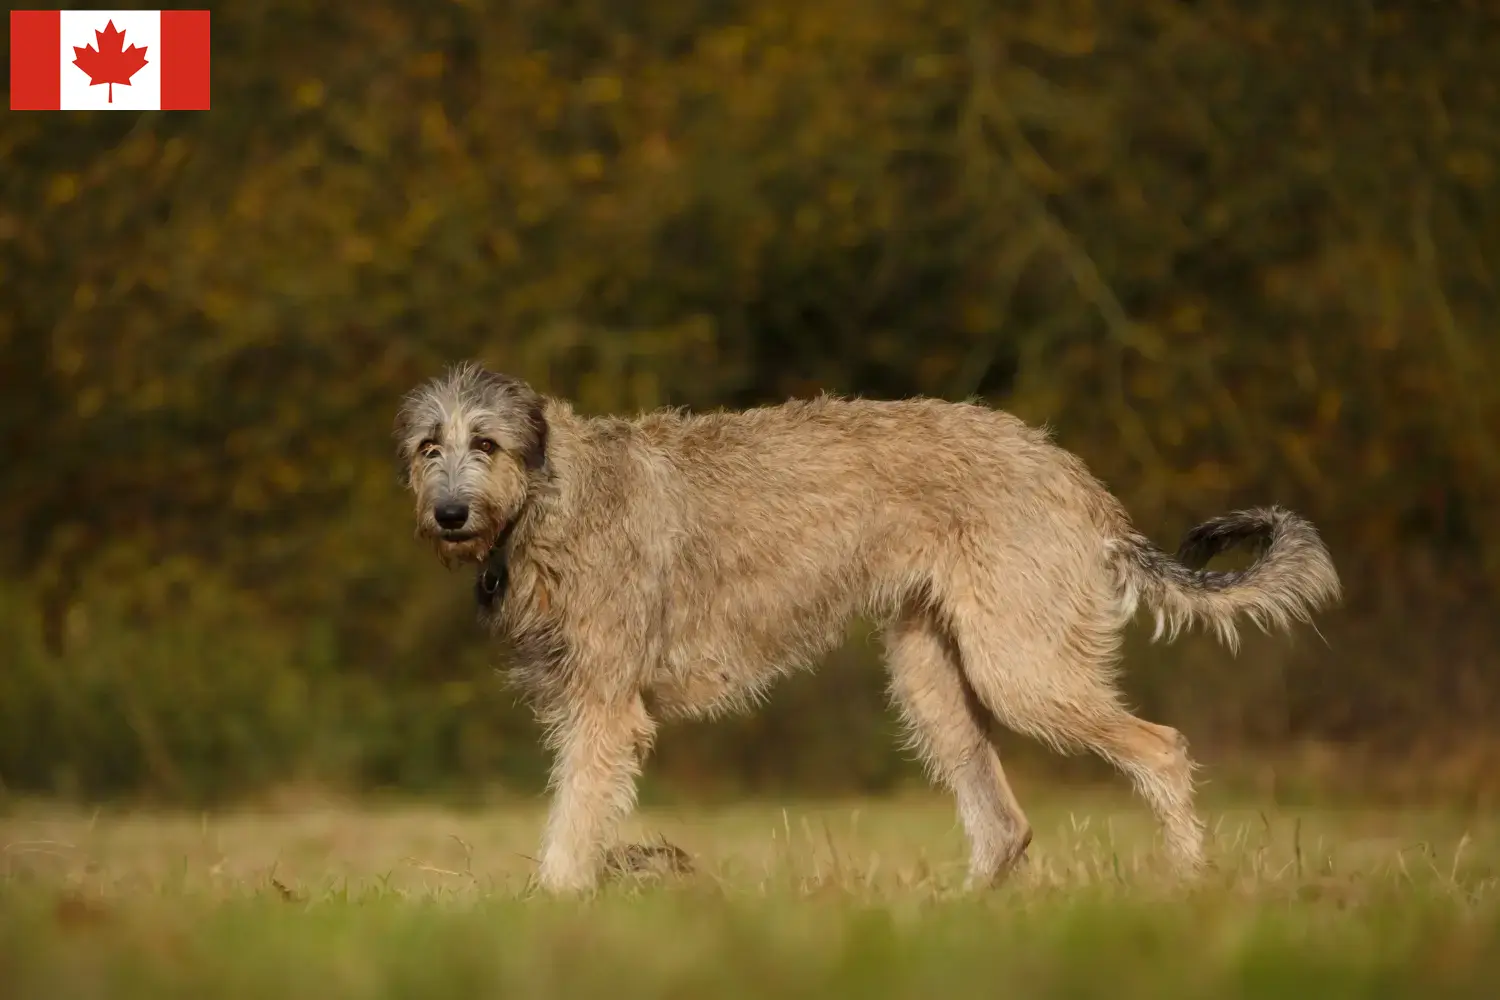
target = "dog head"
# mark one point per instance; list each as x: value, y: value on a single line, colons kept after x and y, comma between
x: 472, y: 444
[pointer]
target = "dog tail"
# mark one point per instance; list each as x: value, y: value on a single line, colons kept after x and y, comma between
x: 1292, y: 577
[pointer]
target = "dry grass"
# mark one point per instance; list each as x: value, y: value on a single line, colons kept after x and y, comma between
x: 853, y: 898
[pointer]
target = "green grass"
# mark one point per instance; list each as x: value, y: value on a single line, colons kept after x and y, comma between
x: 838, y: 899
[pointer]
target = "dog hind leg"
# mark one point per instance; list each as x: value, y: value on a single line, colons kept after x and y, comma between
x: 947, y: 729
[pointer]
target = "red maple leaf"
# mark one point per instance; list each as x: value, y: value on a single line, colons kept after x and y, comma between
x: 111, y: 62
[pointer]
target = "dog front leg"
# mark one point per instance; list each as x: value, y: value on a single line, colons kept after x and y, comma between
x: 593, y: 781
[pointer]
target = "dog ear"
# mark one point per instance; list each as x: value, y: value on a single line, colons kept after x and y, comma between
x: 535, y: 456
x: 506, y: 391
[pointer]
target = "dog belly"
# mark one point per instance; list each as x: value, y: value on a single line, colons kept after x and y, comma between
x: 709, y: 689
x: 730, y: 670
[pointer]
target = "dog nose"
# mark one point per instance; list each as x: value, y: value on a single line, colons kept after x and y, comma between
x: 450, y: 515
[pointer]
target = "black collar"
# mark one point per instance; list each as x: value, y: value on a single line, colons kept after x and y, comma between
x: 494, y: 574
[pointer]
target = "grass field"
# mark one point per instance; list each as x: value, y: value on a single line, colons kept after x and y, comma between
x: 835, y: 899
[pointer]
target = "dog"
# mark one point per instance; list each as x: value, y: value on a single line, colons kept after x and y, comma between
x: 676, y: 565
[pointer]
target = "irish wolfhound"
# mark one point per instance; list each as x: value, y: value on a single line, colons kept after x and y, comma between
x: 676, y: 565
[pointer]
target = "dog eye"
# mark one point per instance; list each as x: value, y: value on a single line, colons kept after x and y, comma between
x: 427, y: 447
x: 485, y: 445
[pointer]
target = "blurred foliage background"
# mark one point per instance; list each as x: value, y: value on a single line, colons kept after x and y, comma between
x: 1232, y: 251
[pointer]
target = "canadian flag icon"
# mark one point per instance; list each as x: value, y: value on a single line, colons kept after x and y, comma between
x: 124, y: 60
